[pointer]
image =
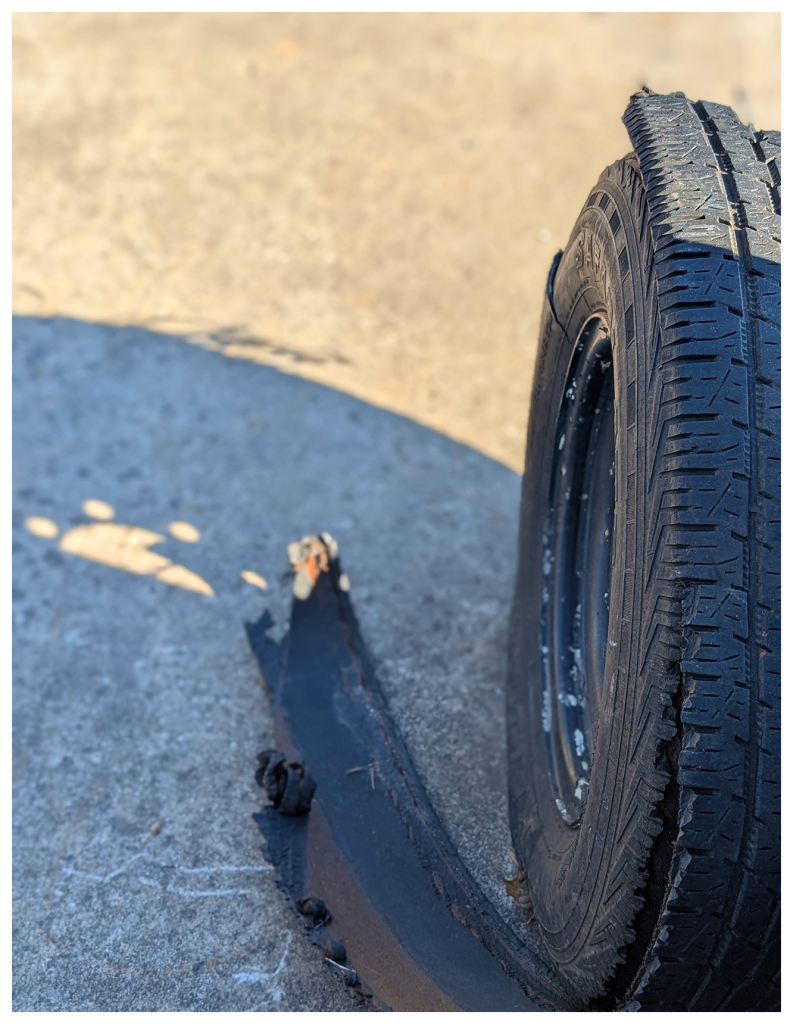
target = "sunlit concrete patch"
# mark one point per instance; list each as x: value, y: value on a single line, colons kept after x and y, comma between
x: 123, y: 547
x: 370, y: 202
x: 254, y: 579
x: 39, y: 526
x: 185, y: 531
x: 98, y: 509
x: 178, y: 576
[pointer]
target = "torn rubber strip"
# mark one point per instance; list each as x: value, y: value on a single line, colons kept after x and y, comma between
x: 416, y: 926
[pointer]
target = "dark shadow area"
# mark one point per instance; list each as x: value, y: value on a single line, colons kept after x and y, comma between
x: 133, y: 701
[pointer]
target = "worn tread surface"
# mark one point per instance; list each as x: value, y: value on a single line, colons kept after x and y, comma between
x: 714, y: 182
x: 684, y: 894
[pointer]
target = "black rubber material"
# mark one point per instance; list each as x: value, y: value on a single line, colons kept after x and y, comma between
x: 381, y: 823
x: 665, y: 894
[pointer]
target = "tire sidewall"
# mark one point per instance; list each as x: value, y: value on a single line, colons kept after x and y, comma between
x: 603, y: 273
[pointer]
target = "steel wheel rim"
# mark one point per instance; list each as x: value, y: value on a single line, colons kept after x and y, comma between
x: 576, y: 569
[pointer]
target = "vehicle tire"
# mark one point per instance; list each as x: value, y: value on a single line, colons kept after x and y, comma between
x: 643, y: 682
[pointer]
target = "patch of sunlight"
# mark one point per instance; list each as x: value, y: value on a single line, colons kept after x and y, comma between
x: 123, y: 547
x: 41, y: 527
x: 254, y: 579
x: 185, y: 531
x: 98, y: 509
x: 178, y: 576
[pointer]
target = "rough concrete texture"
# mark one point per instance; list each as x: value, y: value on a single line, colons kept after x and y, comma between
x: 137, y: 703
x: 369, y: 201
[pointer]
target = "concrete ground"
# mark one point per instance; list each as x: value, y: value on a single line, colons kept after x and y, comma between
x: 369, y: 201
x: 137, y: 701
x: 360, y: 211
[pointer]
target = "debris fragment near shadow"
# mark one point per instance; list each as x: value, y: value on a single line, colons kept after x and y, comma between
x: 285, y: 826
x: 290, y: 788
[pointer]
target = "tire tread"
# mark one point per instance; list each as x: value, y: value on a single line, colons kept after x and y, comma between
x: 713, y: 188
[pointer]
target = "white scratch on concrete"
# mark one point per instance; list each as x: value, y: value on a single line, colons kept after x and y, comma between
x: 201, y: 893
x: 274, y: 993
x: 68, y: 870
x: 121, y: 870
x: 92, y: 876
x: 81, y: 874
x: 225, y: 867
